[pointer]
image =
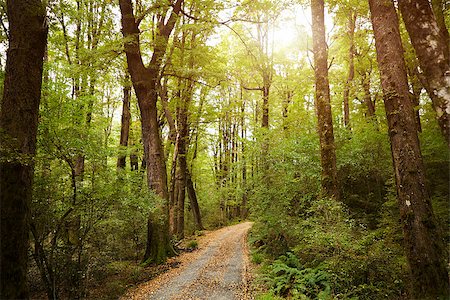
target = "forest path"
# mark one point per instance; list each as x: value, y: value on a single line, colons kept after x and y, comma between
x: 217, y: 270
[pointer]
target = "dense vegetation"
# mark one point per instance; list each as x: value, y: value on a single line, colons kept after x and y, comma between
x: 158, y: 119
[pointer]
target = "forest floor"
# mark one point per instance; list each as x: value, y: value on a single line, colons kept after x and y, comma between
x: 218, y: 269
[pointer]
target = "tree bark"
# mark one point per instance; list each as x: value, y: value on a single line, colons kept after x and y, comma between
x: 438, y: 9
x: 194, y: 202
x: 370, y: 104
x: 265, y: 105
x: 416, y: 89
x: 144, y: 80
x: 18, y: 124
x: 125, y: 124
x: 351, y: 68
x: 423, y: 245
x: 173, y: 198
x: 183, y: 132
x: 322, y: 102
x: 183, y: 135
x: 134, y: 163
x: 173, y: 138
x: 244, y: 209
x: 432, y: 50
x: 287, y: 99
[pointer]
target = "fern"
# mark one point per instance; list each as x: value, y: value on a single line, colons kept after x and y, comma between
x: 287, y: 278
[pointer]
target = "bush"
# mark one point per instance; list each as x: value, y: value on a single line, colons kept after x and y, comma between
x: 287, y: 278
x: 113, y: 289
x: 192, y: 245
x: 257, y: 257
x: 335, y: 257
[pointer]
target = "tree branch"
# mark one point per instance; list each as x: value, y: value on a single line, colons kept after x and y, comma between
x: 146, y: 12
x: 251, y: 88
x: 193, y: 80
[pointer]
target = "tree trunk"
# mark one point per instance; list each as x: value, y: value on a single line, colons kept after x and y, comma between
x: 183, y: 140
x: 194, y: 202
x: 322, y: 102
x: 370, y: 104
x: 431, y: 48
x: 183, y: 137
x: 125, y: 124
x: 144, y: 80
x: 18, y: 123
x: 287, y: 99
x: 438, y: 9
x: 244, y: 210
x: 416, y: 89
x: 423, y: 245
x: 173, y: 198
x: 173, y: 137
x: 224, y: 166
x: 158, y: 239
x: 265, y: 105
x: 351, y: 68
x: 45, y: 269
x: 134, y: 163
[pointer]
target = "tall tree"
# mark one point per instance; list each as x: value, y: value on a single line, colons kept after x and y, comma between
x: 322, y: 101
x: 125, y: 122
x: 423, y: 245
x: 18, y: 129
x: 183, y: 130
x: 369, y: 103
x: 144, y: 80
x: 193, y: 201
x: 351, y: 66
x: 182, y: 145
x: 432, y: 49
x: 266, y: 69
x: 262, y: 55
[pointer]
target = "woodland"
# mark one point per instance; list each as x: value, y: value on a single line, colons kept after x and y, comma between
x: 129, y: 126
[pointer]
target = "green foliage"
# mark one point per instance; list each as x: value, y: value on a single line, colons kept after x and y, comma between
x: 192, y: 245
x: 268, y: 296
x: 257, y: 257
x: 114, y: 288
x: 364, y: 166
x: 91, y: 224
x: 345, y: 261
x: 290, y: 182
x: 288, y: 278
x: 116, y: 277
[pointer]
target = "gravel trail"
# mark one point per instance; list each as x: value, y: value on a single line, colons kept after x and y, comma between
x: 217, y: 270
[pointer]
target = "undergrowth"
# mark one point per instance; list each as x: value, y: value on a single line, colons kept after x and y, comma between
x: 331, y: 257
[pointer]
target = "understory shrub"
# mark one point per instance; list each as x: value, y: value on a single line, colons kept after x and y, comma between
x: 336, y: 258
x: 288, y: 278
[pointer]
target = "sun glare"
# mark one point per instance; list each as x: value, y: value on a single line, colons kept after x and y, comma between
x: 294, y: 25
x: 291, y: 26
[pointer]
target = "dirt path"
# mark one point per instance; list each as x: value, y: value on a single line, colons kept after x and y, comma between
x: 217, y: 270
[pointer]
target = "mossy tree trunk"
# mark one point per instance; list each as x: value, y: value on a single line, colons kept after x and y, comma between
x: 423, y: 245
x: 18, y: 129
x: 322, y: 102
x: 430, y: 41
x: 125, y: 123
x: 144, y: 80
x: 369, y: 103
x: 351, y: 67
x: 194, y: 202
